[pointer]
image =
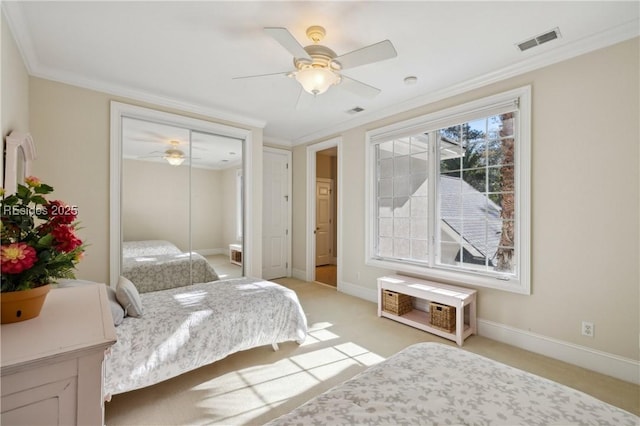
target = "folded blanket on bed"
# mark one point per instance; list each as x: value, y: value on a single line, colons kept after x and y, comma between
x: 435, y: 384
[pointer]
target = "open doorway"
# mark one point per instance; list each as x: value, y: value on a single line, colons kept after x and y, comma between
x: 326, y: 213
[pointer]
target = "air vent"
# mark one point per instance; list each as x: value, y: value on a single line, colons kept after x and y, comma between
x: 539, y: 39
x: 355, y: 110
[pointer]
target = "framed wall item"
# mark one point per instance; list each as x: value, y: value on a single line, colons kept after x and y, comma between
x: 20, y: 152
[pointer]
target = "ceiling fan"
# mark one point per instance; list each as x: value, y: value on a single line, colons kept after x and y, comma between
x: 317, y: 67
x: 173, y: 155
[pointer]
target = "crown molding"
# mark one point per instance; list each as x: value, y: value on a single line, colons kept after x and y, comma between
x: 17, y: 24
x: 278, y: 142
x: 143, y: 96
x: 621, y: 33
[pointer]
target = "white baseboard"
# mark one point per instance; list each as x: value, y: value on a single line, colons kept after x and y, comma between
x: 602, y: 362
x: 358, y: 291
x: 300, y: 274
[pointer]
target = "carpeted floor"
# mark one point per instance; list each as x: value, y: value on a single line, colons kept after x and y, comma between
x: 223, y: 267
x: 346, y: 336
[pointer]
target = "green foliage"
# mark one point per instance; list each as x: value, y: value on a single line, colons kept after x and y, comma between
x: 38, y: 238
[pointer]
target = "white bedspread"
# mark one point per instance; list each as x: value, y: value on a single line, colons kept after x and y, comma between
x: 188, y: 327
x: 435, y: 384
x: 148, y: 248
x: 153, y: 265
x: 164, y: 271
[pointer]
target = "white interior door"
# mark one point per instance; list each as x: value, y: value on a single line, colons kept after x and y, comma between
x: 324, y: 221
x: 275, y: 226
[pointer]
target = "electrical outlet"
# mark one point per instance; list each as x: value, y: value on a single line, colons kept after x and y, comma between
x: 587, y: 329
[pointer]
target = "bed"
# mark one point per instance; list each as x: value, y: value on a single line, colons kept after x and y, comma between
x: 188, y: 327
x: 158, y: 265
x: 432, y: 383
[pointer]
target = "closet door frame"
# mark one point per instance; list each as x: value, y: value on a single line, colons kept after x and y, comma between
x: 120, y: 110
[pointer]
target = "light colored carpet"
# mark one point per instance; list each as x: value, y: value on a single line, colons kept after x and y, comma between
x: 223, y: 267
x: 346, y: 336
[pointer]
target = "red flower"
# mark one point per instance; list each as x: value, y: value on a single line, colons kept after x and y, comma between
x: 60, y: 213
x: 66, y: 240
x: 17, y: 257
x: 32, y: 181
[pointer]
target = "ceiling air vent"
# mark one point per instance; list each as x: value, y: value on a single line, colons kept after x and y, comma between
x: 355, y: 110
x: 539, y: 39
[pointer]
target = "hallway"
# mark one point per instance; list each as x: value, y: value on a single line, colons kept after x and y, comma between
x: 327, y: 274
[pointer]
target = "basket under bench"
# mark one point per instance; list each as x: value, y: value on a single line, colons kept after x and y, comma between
x: 396, y: 294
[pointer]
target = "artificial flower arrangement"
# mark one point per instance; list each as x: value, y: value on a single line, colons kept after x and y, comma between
x: 39, y: 242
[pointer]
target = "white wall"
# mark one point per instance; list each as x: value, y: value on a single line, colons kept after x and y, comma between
x: 585, y: 203
x: 14, y: 96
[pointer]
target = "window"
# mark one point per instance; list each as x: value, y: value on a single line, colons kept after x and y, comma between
x: 448, y: 194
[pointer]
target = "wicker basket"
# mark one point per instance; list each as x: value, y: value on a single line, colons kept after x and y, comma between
x: 396, y: 303
x: 442, y: 316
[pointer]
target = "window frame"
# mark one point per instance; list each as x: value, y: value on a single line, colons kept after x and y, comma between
x: 431, y: 122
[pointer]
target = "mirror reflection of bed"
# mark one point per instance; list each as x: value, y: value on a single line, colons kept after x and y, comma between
x: 181, y: 204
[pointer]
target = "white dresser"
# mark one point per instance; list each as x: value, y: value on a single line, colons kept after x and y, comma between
x: 52, y: 365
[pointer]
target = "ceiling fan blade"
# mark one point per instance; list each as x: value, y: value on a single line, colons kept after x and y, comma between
x: 284, y: 37
x: 358, y: 87
x: 304, y: 100
x: 261, y: 75
x: 367, y: 55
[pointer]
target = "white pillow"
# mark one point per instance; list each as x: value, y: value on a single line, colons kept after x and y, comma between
x: 128, y: 296
x: 116, y: 309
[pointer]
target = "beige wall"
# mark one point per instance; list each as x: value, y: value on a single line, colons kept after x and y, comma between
x: 157, y: 205
x: 226, y: 205
x: 585, y: 202
x: 70, y: 127
x: 14, y: 96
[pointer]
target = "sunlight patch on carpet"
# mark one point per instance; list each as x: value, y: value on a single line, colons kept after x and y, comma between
x: 253, y: 391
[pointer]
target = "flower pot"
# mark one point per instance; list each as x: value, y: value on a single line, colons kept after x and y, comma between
x: 22, y: 305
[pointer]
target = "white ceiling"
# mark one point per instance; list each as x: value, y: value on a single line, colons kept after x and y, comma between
x: 149, y: 141
x: 185, y: 54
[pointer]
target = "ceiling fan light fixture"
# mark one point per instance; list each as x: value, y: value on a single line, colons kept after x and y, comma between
x: 175, y: 157
x: 316, y: 81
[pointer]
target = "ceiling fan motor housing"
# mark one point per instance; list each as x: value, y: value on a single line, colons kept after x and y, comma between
x: 322, y: 57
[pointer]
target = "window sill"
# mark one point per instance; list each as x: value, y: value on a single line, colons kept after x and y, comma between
x: 453, y: 277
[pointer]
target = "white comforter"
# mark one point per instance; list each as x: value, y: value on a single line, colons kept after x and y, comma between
x: 164, y: 271
x: 148, y: 248
x: 153, y: 265
x: 188, y: 327
x: 434, y: 384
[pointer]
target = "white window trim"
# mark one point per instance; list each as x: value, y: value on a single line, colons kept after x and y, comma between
x: 437, y: 120
x: 239, y: 186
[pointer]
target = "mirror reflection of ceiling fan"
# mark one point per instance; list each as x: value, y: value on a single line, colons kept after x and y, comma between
x: 317, y: 67
x: 173, y: 155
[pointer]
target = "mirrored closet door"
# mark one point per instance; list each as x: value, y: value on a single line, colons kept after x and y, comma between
x: 181, y: 203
